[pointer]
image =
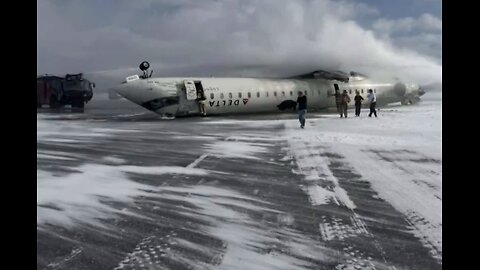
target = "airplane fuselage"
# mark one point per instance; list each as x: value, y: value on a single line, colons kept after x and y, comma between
x: 177, y: 96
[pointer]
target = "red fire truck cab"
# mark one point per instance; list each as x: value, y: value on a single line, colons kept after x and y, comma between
x: 57, y: 91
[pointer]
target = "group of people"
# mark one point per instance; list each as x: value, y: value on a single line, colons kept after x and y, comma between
x: 341, y: 100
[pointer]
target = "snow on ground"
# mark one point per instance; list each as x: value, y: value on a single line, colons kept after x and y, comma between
x: 78, y: 197
x: 68, y: 199
x: 399, y: 153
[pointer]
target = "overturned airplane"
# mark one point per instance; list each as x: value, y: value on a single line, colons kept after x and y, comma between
x: 175, y: 96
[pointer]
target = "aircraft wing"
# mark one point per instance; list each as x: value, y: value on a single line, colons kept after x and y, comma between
x: 323, y: 74
x: 358, y: 75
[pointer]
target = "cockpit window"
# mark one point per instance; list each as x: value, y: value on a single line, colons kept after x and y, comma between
x: 212, y: 96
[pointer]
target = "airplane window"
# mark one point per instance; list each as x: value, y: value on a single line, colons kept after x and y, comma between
x: 266, y: 94
x: 306, y: 92
x: 249, y: 95
x: 318, y: 91
x: 258, y: 94
x: 350, y: 91
x: 230, y: 95
x: 291, y: 93
x: 275, y: 93
x: 375, y: 90
x: 221, y: 95
x: 283, y: 93
x: 212, y: 96
x: 362, y: 91
x: 239, y: 95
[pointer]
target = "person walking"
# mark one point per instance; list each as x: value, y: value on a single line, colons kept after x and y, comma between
x: 358, y: 103
x: 302, y: 108
x: 201, y: 99
x: 373, y: 102
x: 345, y: 99
x: 338, y: 102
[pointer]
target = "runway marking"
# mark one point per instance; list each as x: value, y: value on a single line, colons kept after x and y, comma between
x: 198, y: 160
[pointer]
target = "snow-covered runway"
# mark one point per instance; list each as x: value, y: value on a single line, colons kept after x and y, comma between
x: 247, y: 192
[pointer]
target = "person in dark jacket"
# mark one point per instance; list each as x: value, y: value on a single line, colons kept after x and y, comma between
x: 358, y: 103
x: 345, y: 99
x: 373, y: 102
x: 302, y: 108
x: 338, y: 101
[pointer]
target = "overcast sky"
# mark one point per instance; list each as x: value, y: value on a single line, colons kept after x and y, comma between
x: 110, y: 38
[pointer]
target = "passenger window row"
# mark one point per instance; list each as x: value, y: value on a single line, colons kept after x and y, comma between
x: 249, y: 95
x: 361, y: 91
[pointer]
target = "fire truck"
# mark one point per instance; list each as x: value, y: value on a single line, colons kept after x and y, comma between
x: 57, y: 91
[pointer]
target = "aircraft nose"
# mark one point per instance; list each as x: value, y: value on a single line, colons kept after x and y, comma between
x: 124, y: 89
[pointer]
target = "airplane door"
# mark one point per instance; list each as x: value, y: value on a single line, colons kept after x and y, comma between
x: 331, y: 91
x: 336, y: 88
x: 191, y: 90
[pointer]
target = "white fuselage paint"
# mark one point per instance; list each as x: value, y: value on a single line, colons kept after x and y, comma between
x: 249, y: 95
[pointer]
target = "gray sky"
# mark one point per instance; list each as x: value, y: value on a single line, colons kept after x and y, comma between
x: 108, y: 39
